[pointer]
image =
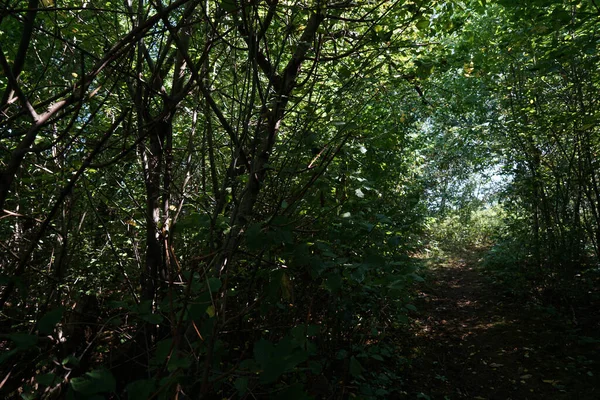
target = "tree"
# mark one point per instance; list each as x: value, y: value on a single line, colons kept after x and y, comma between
x: 203, y: 168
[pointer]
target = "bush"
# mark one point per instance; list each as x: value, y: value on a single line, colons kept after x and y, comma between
x: 459, y: 231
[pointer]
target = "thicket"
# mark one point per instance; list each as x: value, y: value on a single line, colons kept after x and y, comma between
x: 220, y: 199
x: 206, y: 198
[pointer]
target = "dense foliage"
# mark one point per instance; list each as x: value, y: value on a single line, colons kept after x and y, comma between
x: 222, y: 198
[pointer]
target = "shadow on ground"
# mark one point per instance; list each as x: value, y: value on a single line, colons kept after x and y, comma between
x: 473, y: 340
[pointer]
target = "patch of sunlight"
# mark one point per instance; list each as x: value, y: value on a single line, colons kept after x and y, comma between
x: 466, y: 303
x: 489, y: 325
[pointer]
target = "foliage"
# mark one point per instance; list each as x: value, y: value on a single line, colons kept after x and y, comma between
x: 518, y: 89
x: 222, y: 197
x: 455, y: 233
x: 205, y: 197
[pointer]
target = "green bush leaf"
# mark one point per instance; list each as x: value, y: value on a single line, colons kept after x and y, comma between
x: 163, y: 349
x: 255, y: 237
x: 214, y: 284
x: 241, y: 385
x: 315, y: 367
x: 47, y: 379
x: 94, y: 382
x: 47, y: 323
x: 263, y: 352
x: 333, y: 282
x: 275, y: 360
x: 5, y: 279
x: 6, y: 355
x: 178, y: 362
x: 196, y: 311
x: 294, y: 392
x: 154, y: 319
x: 355, y: 368
x: 70, y: 360
x: 23, y: 341
x: 228, y: 5
x: 422, y: 24
x: 29, y: 396
x: 141, y: 390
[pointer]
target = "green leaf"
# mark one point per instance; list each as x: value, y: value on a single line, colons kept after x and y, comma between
x: 294, y: 392
x: 7, y: 355
x: 263, y: 352
x: 141, y: 390
x: 116, y: 304
x: 178, y: 362
x: 163, y: 348
x: 71, y: 361
x: 193, y: 223
x: 23, y: 341
x: 315, y: 367
x: 313, y: 330
x: 29, y: 396
x: 271, y: 372
x: 300, y: 332
x: 249, y: 365
x: 355, y: 368
x: 287, y: 289
x: 255, y: 237
x: 587, y: 126
x: 94, y: 382
x: 210, y: 310
x: 154, y: 319
x: 275, y: 360
x: 228, y: 5
x: 47, y: 379
x: 146, y: 314
x: 358, y: 275
x: 424, y: 70
x: 334, y: 282
x: 241, y: 385
x: 47, y: 323
x: 214, y: 284
x: 5, y: 280
x: 410, y: 307
x: 196, y: 311
x: 422, y: 24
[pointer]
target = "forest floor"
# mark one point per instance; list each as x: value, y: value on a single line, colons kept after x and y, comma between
x: 473, y: 339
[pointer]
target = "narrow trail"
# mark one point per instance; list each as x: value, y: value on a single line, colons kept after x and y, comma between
x: 474, y: 340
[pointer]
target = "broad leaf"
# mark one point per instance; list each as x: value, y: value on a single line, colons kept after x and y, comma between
x: 94, y: 382
x: 47, y: 323
x: 141, y: 390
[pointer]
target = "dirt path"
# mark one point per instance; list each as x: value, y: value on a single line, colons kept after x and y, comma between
x: 473, y: 340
